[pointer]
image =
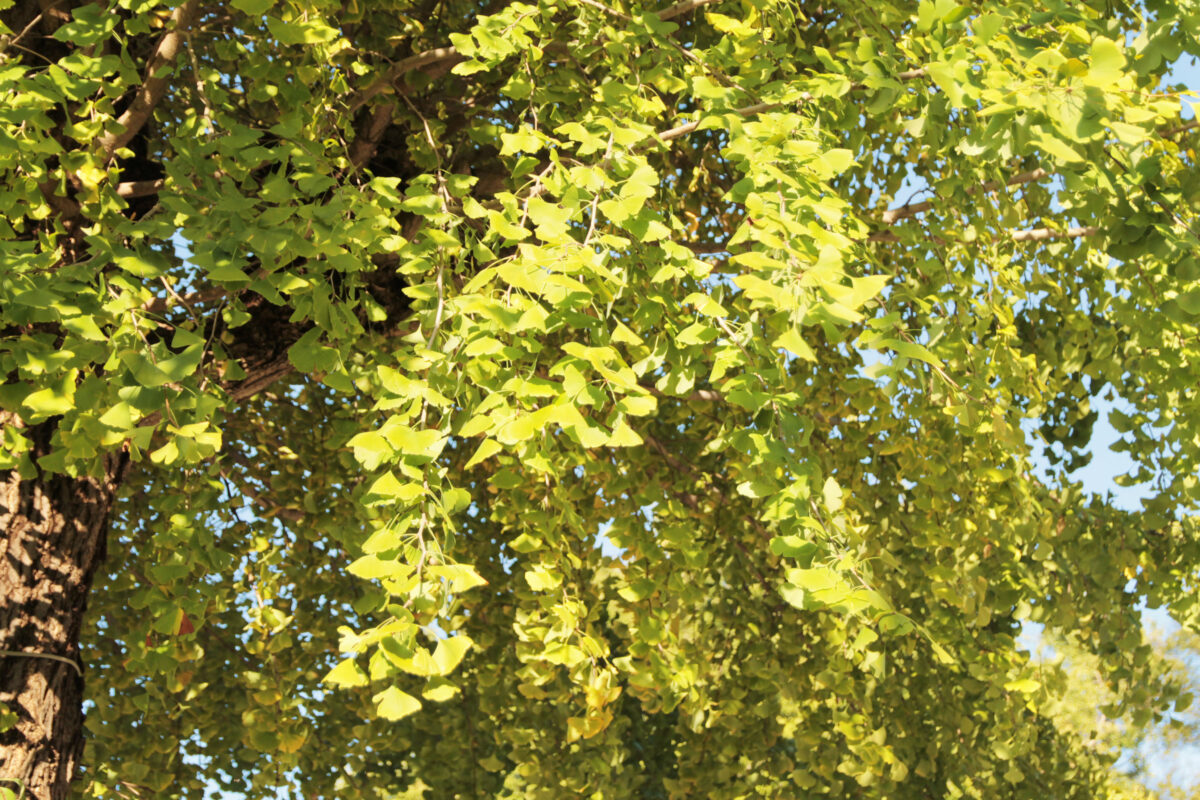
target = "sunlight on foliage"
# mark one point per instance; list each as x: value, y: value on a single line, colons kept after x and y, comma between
x: 554, y: 399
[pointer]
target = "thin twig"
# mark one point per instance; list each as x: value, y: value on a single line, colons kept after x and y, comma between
x: 1042, y: 234
x: 1187, y: 126
x: 682, y: 8
x: 290, y: 514
x: 748, y: 111
x: 596, y: 197
x: 36, y: 19
x: 612, y: 12
x: 160, y: 305
x: 51, y: 656
x: 757, y: 108
x: 893, y: 215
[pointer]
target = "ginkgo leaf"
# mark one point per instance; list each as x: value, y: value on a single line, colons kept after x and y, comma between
x: 393, y: 704
x: 387, y: 488
x: 1023, y: 685
x: 487, y: 448
x: 624, y: 436
x: 462, y: 577
x: 346, y: 674
x: 439, y: 692
x: 792, y: 341
x: 450, y: 652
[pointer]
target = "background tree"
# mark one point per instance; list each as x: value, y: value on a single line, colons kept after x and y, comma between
x: 1082, y: 701
x: 563, y: 398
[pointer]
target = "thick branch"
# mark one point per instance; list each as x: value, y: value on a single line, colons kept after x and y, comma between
x: 369, y: 134
x: 445, y: 57
x: 131, y: 189
x: 434, y: 56
x: 367, y: 140
x: 260, y: 378
x: 154, y: 83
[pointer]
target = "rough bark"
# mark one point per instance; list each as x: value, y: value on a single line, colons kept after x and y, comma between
x: 54, y: 530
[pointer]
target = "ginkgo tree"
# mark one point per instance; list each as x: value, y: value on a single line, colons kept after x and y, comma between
x: 593, y: 398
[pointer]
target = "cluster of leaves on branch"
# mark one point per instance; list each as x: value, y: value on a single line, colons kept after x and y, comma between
x: 551, y: 399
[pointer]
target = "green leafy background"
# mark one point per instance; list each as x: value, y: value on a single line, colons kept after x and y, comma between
x: 649, y: 290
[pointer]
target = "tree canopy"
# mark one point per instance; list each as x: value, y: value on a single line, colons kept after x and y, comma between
x: 433, y: 398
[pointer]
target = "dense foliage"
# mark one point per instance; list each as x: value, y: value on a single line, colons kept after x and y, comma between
x: 551, y: 399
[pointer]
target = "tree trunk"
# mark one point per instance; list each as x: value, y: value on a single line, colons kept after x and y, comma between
x: 54, y: 529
